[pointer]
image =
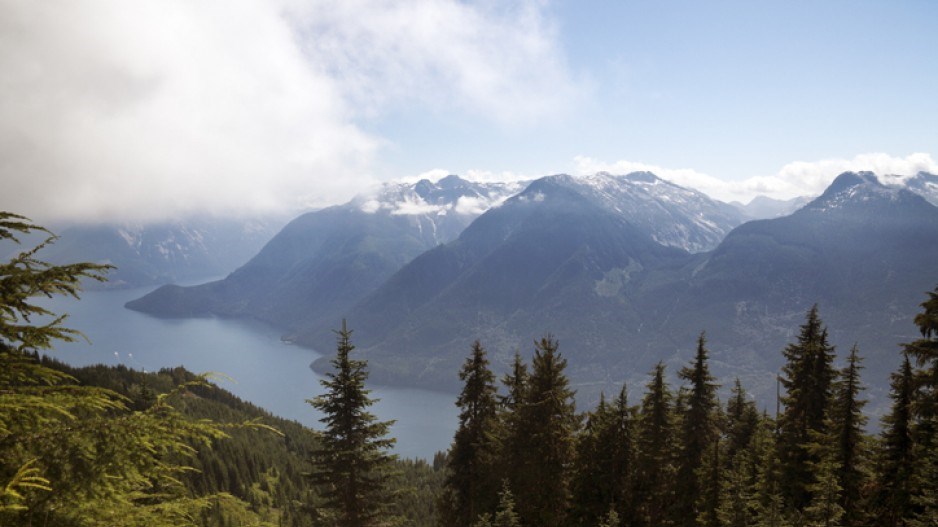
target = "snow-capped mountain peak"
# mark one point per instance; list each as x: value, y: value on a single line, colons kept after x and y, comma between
x: 675, y: 216
x: 450, y: 194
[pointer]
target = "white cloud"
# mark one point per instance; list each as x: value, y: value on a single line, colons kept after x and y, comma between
x: 794, y: 179
x: 155, y: 108
x: 472, y: 205
x: 432, y: 175
x: 371, y: 206
x: 416, y: 206
x: 498, y: 58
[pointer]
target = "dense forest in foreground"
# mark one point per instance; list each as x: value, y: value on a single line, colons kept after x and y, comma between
x: 112, y: 446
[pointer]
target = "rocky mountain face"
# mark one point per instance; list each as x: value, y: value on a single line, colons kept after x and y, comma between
x: 323, y: 262
x: 672, y: 215
x: 160, y: 253
x: 560, y: 256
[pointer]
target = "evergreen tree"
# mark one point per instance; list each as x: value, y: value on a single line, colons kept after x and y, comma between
x: 767, y: 504
x: 891, y: 501
x: 710, y: 480
x: 653, y: 491
x: 511, y: 439
x: 742, y: 419
x: 618, y: 452
x: 352, y: 466
x: 471, y: 483
x: 604, y: 463
x: 611, y: 519
x: 825, y: 510
x: 589, y: 483
x: 698, y: 432
x: 850, y: 455
x: 736, y: 493
x: 505, y: 515
x: 549, y: 422
x: 808, y: 377
x: 925, y: 431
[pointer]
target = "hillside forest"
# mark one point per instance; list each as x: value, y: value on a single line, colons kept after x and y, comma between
x: 112, y: 446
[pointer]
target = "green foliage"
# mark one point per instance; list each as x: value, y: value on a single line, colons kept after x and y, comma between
x: 505, y: 515
x: 891, y: 502
x: 73, y: 454
x: 604, y: 462
x: 808, y: 378
x: 825, y: 509
x: 697, y: 433
x: 352, y: 467
x: 471, y: 479
x: 549, y: 422
x: 653, y: 492
x: 850, y: 448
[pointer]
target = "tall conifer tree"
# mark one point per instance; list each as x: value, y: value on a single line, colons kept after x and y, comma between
x: 808, y: 377
x: 549, y: 422
x: 604, y: 463
x: 742, y: 419
x: 891, y: 504
x: 472, y: 482
x: 352, y: 467
x: 698, y: 432
x: 850, y: 453
x: 925, y: 451
x: 511, y: 439
x: 654, y: 483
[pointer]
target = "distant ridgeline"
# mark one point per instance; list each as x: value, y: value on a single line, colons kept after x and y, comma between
x: 626, y: 270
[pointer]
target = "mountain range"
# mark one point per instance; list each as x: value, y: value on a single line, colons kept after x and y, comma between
x: 323, y: 262
x: 625, y: 270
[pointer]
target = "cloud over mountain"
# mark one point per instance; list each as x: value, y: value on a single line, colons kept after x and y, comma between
x: 147, y: 110
x: 799, y: 178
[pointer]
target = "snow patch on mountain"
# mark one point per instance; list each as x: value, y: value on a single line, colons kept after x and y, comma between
x: 675, y: 216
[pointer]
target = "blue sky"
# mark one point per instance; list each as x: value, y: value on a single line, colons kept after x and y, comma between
x: 153, y: 109
x: 733, y: 89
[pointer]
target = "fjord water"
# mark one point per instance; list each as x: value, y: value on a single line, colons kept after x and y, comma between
x: 263, y: 370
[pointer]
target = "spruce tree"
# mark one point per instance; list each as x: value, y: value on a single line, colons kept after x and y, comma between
x: 891, y: 504
x: 847, y: 422
x: 742, y: 419
x: 589, y: 482
x: 736, y: 494
x: 549, y: 421
x: 698, y: 432
x: 925, y: 431
x: 808, y: 377
x: 505, y: 515
x: 825, y: 508
x: 653, y: 490
x: 471, y: 482
x: 618, y: 450
x: 604, y: 463
x: 352, y: 466
x: 767, y: 503
x: 511, y: 439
